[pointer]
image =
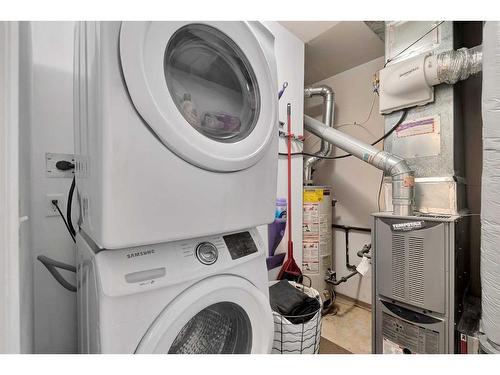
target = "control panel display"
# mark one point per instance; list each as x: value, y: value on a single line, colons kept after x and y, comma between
x: 240, y: 244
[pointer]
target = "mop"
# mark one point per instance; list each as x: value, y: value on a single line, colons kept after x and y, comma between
x: 290, y: 269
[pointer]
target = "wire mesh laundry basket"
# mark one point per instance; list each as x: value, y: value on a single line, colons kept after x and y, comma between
x: 298, y: 334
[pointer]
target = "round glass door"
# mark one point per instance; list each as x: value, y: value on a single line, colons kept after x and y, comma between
x: 206, y: 90
x: 212, y: 83
x: 221, y: 314
x: 222, y: 328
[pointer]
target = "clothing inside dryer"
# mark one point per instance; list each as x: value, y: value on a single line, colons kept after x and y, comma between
x: 212, y: 83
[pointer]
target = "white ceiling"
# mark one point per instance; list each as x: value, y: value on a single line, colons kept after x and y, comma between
x: 333, y: 47
x: 307, y: 30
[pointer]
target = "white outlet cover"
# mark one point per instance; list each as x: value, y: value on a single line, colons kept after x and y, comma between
x: 51, y: 210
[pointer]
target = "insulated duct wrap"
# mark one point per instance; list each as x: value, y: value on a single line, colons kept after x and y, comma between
x: 490, y: 199
x: 454, y: 66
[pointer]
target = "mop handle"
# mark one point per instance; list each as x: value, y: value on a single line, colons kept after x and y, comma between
x: 289, y: 214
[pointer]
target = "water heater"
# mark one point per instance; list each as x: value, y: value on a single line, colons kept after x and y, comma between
x: 317, y: 234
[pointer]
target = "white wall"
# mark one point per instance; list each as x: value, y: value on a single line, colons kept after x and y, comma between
x: 290, y: 60
x: 51, y: 131
x: 355, y: 183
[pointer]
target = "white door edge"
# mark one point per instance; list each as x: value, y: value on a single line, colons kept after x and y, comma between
x: 10, y: 324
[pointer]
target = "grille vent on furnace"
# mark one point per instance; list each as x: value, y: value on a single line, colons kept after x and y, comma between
x: 416, y: 270
x: 398, y: 266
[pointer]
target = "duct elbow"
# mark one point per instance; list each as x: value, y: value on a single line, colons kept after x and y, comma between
x: 322, y: 90
x: 403, y: 181
x: 326, y: 92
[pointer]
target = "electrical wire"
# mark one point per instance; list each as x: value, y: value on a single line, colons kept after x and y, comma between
x: 399, y: 122
x: 68, y: 207
x: 412, y: 44
x: 54, y: 202
x: 360, y: 124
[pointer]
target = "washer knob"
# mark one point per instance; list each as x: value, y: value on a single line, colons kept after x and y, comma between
x: 207, y: 253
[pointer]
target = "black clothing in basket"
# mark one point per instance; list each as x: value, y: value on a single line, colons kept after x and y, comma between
x: 289, y: 301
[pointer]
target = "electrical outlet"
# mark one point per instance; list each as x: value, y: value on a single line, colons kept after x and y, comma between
x: 50, y: 208
x: 51, y: 160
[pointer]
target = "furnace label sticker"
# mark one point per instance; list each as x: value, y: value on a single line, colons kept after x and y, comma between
x: 428, y: 125
x: 408, y: 226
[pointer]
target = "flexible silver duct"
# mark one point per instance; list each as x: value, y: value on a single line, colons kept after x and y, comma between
x: 402, y: 176
x: 490, y: 189
x: 328, y: 114
x: 453, y: 66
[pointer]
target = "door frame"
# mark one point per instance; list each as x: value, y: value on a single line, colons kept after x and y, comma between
x: 10, y: 324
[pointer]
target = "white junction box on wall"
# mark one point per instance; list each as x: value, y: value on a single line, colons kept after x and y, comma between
x: 407, y: 83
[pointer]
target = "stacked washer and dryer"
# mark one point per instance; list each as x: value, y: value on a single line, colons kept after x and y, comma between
x: 177, y: 142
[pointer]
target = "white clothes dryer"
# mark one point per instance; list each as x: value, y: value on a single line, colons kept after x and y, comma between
x: 176, y: 129
x: 204, y: 295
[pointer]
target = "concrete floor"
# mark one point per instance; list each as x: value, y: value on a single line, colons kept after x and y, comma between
x: 349, y: 330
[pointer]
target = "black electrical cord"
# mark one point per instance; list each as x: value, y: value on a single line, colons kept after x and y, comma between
x: 54, y: 202
x: 51, y: 264
x: 68, y: 207
x: 400, y: 121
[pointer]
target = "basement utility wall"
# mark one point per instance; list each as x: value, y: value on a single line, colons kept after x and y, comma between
x: 355, y: 184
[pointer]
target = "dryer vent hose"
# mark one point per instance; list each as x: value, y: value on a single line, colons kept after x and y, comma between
x: 52, y: 266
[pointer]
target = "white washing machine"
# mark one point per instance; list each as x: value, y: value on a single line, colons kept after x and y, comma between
x: 204, y: 295
x: 176, y: 129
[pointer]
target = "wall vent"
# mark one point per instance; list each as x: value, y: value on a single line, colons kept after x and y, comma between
x: 416, y: 270
x: 398, y: 266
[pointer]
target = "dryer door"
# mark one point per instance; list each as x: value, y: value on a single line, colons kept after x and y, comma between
x: 207, y: 90
x: 219, y: 315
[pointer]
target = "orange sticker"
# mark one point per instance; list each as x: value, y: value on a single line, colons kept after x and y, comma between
x: 409, y: 181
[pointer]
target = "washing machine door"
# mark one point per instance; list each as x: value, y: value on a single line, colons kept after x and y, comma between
x: 219, y: 315
x: 207, y: 90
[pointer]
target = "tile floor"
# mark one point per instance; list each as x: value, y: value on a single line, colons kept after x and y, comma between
x: 349, y: 330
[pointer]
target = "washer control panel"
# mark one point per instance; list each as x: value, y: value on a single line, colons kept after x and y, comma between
x: 207, y: 253
x: 240, y: 244
x: 153, y: 266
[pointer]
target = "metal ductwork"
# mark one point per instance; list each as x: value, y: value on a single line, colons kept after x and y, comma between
x: 328, y: 114
x: 453, y: 66
x: 396, y: 167
x: 490, y: 189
